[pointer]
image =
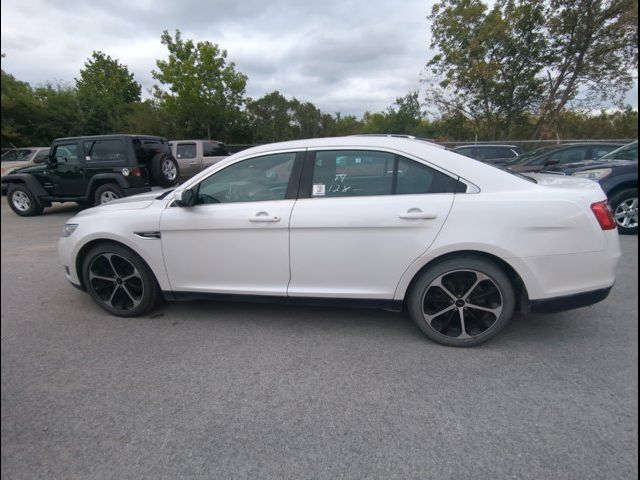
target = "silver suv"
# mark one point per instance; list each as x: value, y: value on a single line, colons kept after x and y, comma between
x: 195, y: 155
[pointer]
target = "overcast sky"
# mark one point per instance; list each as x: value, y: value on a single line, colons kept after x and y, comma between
x: 345, y: 56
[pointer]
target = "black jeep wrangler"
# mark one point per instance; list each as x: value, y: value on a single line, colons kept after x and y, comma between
x: 91, y: 171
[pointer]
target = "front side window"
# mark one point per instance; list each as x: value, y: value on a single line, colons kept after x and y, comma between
x: 41, y: 156
x: 186, y: 150
x: 254, y: 180
x: 104, y: 151
x: 66, y: 154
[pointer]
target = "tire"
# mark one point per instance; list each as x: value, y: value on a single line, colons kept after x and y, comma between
x: 625, y: 210
x: 22, y: 201
x: 120, y: 281
x: 165, y: 170
x: 107, y: 193
x: 467, y: 286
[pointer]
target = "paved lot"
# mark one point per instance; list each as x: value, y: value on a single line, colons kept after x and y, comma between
x: 225, y: 390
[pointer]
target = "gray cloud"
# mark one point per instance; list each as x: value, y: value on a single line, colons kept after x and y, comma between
x: 344, y: 56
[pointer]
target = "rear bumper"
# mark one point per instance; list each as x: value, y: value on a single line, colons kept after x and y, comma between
x: 569, y: 302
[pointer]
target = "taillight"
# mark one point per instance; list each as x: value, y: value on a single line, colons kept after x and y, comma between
x: 136, y: 172
x: 604, y: 215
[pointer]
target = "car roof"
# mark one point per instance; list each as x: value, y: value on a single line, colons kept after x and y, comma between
x: 197, y: 140
x: 455, y: 163
x: 109, y: 136
x: 487, y: 145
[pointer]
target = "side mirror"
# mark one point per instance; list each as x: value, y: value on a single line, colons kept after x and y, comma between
x: 185, y: 198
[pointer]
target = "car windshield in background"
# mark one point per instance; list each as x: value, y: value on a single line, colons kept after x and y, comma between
x: 16, y: 155
x: 627, y: 152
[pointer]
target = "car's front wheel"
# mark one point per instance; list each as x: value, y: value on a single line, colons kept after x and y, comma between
x: 22, y: 201
x: 625, y: 210
x: 119, y: 280
x: 462, y: 302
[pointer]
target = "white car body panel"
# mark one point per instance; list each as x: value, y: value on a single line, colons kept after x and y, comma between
x: 226, y: 248
x: 357, y: 247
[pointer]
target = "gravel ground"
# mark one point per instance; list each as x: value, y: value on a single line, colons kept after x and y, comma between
x: 230, y: 390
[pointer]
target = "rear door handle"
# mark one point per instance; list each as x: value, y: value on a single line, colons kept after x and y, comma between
x: 264, y: 217
x: 417, y: 214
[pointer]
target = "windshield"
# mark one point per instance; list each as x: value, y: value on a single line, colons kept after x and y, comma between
x: 525, y: 157
x: 627, y: 152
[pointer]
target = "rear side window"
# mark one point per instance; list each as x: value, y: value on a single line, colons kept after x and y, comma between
x: 367, y: 173
x: 104, y: 151
x: 213, y: 149
x: 352, y: 173
x: 186, y: 150
x: 414, y: 177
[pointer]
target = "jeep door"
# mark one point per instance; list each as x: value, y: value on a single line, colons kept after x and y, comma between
x: 235, y: 239
x: 66, y: 170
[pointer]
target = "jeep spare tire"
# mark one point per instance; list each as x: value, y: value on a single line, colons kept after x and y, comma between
x: 164, y: 170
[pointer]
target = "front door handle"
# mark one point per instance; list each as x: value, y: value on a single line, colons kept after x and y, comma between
x: 417, y: 214
x: 193, y: 163
x: 264, y: 217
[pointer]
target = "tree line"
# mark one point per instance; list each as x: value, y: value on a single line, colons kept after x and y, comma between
x: 519, y: 69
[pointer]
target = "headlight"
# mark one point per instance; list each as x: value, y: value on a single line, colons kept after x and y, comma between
x: 68, y: 229
x: 597, y: 174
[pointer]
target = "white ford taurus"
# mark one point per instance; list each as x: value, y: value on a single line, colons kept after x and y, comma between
x: 378, y: 221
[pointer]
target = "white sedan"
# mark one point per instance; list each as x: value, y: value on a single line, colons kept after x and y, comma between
x: 372, y: 221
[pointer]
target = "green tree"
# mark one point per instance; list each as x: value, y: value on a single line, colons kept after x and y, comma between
x: 57, y: 113
x: 272, y: 118
x: 17, y: 111
x: 199, y: 88
x: 593, y: 48
x: 106, y: 92
x: 488, y: 60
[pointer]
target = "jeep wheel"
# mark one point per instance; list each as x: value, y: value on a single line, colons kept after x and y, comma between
x: 107, y: 193
x: 22, y: 201
x: 165, y: 170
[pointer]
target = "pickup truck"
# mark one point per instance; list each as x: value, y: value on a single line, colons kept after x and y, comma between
x: 195, y: 155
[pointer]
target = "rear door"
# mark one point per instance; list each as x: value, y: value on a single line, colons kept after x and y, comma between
x: 366, y: 217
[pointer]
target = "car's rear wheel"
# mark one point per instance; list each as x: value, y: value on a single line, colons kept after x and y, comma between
x: 107, y: 193
x: 625, y: 210
x: 462, y: 302
x: 165, y: 170
x: 22, y: 201
x: 120, y: 281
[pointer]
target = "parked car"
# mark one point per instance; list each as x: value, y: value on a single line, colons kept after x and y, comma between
x: 495, y: 154
x: 617, y: 174
x: 287, y: 222
x: 92, y: 170
x: 19, y: 158
x: 195, y: 155
x: 561, y: 154
x: 22, y: 157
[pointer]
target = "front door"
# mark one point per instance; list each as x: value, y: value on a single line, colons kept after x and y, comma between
x: 369, y: 215
x: 67, y: 171
x: 235, y: 240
